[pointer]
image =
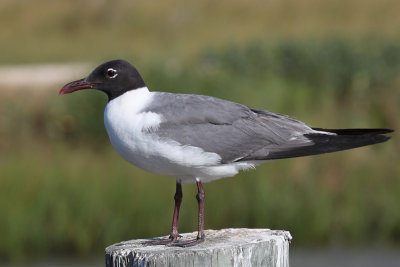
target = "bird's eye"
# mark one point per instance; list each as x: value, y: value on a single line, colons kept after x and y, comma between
x: 111, y: 73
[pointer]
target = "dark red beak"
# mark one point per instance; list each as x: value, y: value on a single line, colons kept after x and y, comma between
x: 75, y: 86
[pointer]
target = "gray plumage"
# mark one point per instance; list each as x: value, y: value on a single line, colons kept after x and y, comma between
x: 233, y: 131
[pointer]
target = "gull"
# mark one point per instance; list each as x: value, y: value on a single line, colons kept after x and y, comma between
x: 198, y: 138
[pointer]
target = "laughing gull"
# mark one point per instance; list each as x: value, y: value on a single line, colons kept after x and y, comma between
x: 198, y: 138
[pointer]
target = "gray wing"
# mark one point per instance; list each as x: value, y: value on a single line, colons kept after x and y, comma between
x: 234, y: 131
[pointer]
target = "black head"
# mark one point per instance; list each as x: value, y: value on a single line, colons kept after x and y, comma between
x: 113, y: 78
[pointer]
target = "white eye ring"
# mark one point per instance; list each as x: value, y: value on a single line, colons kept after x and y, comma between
x: 111, y: 73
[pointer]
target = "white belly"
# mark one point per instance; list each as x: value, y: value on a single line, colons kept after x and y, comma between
x: 127, y: 127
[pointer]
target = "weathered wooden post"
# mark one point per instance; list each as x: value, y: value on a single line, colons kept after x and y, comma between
x: 227, y: 247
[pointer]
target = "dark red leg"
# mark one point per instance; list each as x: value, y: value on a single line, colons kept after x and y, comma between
x: 172, y: 240
x: 178, y: 200
x: 200, y: 201
x: 200, y: 235
x: 174, y: 232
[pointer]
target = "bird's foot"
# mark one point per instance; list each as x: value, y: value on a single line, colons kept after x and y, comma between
x: 186, y: 243
x: 162, y: 241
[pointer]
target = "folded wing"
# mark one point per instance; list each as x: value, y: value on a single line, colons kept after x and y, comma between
x: 239, y: 133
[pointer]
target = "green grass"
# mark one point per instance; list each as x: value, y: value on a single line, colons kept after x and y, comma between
x: 65, y: 191
x: 43, y: 30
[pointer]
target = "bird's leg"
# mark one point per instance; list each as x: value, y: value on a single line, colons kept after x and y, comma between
x: 178, y: 200
x: 200, y: 201
x: 200, y: 235
x: 174, y: 232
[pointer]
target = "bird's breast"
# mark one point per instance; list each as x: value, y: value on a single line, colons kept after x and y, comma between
x: 127, y: 126
x: 133, y: 134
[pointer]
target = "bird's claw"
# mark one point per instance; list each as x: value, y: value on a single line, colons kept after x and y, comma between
x: 186, y: 243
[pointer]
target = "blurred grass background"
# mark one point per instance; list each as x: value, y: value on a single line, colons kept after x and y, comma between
x: 65, y: 191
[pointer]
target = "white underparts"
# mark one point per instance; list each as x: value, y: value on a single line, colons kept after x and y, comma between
x: 127, y: 127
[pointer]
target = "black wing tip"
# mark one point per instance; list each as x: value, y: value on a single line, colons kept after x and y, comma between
x: 321, y: 143
x: 356, y: 131
x: 385, y: 138
x: 348, y: 138
x: 379, y: 138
